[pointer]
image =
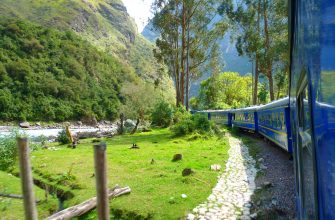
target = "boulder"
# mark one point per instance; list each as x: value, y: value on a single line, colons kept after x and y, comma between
x: 129, y: 124
x: 187, y: 172
x: 267, y: 185
x: 177, y: 157
x: 24, y: 124
x: 38, y: 124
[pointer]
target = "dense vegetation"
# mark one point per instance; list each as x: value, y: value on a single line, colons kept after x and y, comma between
x: 226, y: 90
x: 49, y: 75
x: 104, y: 23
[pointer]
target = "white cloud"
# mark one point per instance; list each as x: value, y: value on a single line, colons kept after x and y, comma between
x: 140, y: 10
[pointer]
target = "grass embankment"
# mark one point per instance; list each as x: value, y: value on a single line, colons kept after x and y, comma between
x: 156, y: 188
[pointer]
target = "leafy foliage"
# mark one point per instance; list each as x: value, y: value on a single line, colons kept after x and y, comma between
x: 227, y: 90
x: 162, y: 114
x: 62, y: 137
x: 192, y: 123
x: 50, y: 75
x: 8, y: 151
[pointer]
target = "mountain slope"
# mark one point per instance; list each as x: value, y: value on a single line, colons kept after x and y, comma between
x: 50, y: 75
x: 105, y: 23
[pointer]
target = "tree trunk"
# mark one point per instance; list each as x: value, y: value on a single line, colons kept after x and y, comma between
x: 121, y: 123
x: 86, y: 206
x: 136, y: 126
x: 188, y: 63
x: 267, y: 48
x: 183, y: 48
x: 255, y: 94
x: 178, y: 101
x: 272, y: 95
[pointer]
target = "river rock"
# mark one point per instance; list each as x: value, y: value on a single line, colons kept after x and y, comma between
x: 129, y: 124
x: 216, y: 167
x: 24, y: 124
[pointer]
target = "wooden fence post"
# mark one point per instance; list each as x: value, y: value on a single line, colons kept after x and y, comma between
x: 100, y: 163
x: 26, y: 180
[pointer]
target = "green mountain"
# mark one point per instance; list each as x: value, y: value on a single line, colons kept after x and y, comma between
x: 67, y: 59
x: 50, y: 75
x: 104, y: 23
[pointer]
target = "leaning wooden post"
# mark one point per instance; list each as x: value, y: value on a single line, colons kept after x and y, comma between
x: 100, y: 163
x: 26, y: 179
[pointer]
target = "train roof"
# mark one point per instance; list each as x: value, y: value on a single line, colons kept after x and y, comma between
x: 218, y: 111
x: 251, y: 108
x: 278, y: 103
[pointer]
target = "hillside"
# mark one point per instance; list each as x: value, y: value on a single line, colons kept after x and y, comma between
x: 50, y: 75
x: 105, y: 23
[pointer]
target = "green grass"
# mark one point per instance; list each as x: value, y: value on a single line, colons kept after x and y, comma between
x: 13, y: 208
x: 156, y: 188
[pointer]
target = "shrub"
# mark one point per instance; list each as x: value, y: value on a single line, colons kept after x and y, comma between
x: 8, y: 151
x: 183, y: 127
x: 63, y: 138
x: 192, y: 123
x: 162, y: 114
x: 180, y: 114
x: 201, y: 123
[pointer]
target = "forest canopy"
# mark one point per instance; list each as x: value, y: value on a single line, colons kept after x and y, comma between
x: 50, y: 75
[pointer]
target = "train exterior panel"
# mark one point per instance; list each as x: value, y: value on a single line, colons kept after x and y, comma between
x: 274, y: 123
x: 312, y: 103
x: 220, y: 117
x: 245, y: 118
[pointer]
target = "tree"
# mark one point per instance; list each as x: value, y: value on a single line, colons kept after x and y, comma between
x: 227, y: 90
x: 261, y: 32
x: 140, y: 99
x: 185, y: 42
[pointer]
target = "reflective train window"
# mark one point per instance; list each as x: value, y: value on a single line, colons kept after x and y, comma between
x: 307, y: 157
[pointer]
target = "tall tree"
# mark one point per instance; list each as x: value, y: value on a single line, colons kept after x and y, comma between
x: 261, y: 32
x: 186, y: 39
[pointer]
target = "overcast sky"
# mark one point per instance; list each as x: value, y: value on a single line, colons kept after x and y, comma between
x: 140, y: 10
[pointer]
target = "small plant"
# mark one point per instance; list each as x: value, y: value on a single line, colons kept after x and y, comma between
x: 162, y: 114
x: 8, y: 150
x: 62, y: 137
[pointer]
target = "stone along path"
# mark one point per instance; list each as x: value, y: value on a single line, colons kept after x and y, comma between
x: 230, y: 199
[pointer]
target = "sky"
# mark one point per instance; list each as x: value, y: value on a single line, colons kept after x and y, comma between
x: 140, y: 10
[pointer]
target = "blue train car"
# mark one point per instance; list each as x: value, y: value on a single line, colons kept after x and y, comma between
x: 245, y: 118
x: 274, y: 123
x: 222, y: 117
x: 312, y: 103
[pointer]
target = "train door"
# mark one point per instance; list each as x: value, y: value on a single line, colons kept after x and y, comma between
x: 305, y: 154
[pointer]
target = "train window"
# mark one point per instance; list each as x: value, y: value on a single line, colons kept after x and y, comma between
x: 307, y: 157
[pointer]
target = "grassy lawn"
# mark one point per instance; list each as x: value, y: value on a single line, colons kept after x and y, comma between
x: 156, y: 188
x: 13, y: 208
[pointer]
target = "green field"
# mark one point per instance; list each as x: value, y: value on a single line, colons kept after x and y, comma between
x: 156, y: 188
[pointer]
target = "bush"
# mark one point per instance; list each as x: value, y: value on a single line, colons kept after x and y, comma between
x: 201, y: 123
x: 183, y: 127
x: 62, y: 137
x: 162, y: 114
x: 180, y: 114
x: 8, y: 151
x: 192, y: 123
